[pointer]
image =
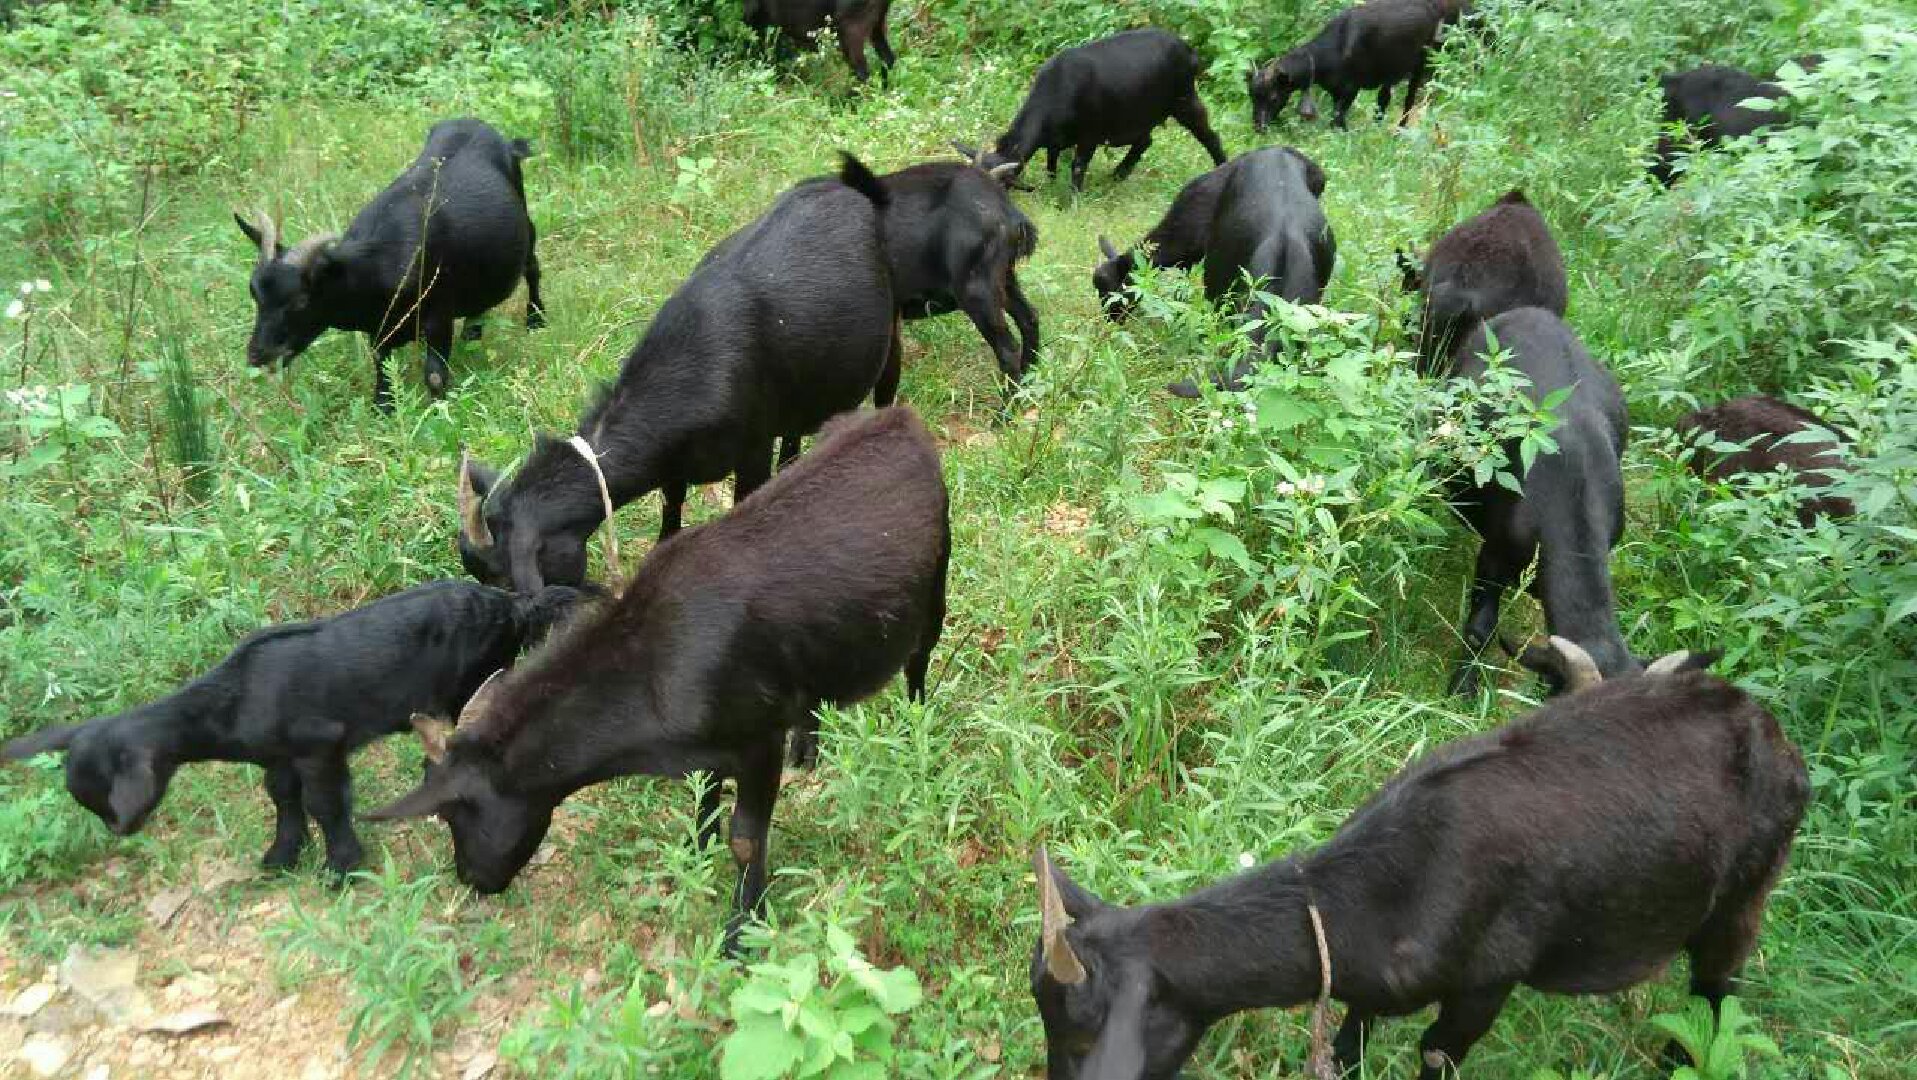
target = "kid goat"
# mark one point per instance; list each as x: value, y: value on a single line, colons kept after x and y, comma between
x: 818, y: 588
x: 297, y: 700
x: 1576, y: 851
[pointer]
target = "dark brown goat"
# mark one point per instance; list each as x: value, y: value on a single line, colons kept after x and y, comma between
x: 818, y: 588
x: 1502, y: 259
x: 1759, y: 425
x: 1575, y: 851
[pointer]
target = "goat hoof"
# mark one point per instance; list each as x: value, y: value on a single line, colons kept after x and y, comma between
x: 280, y: 858
x: 473, y: 331
x: 535, y: 320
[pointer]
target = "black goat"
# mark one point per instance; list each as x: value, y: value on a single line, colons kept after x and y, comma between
x: 1571, y: 512
x: 448, y: 240
x: 1177, y: 242
x: 1372, y: 46
x: 297, y: 700
x: 1503, y: 259
x: 818, y: 588
x: 1708, y: 101
x: 1111, y: 92
x: 1267, y: 225
x: 856, y: 22
x: 1759, y: 425
x: 953, y: 239
x: 1575, y: 851
x: 785, y: 323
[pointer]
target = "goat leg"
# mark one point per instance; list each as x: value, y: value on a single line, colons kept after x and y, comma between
x: 438, y: 340
x: 1462, y: 1021
x: 535, y: 307
x: 1348, y: 1046
x: 326, y: 790
x: 708, y: 822
x: 757, y: 785
x: 289, y: 830
x: 1130, y: 161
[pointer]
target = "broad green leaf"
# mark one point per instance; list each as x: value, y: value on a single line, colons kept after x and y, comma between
x: 1225, y: 546
x: 759, y: 1048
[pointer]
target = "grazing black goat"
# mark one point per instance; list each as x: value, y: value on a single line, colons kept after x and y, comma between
x: 785, y: 323
x: 1571, y: 512
x: 1575, y: 851
x: 953, y: 240
x: 856, y: 21
x: 1266, y: 225
x: 1708, y: 101
x: 1503, y: 259
x: 1111, y: 92
x: 1760, y: 425
x: 1372, y: 46
x: 818, y: 588
x: 1176, y: 242
x: 297, y: 700
x: 448, y: 240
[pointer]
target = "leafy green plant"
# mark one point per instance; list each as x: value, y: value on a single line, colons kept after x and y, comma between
x: 1720, y: 1047
x: 791, y: 1022
x: 51, y: 422
x: 408, y: 971
x: 44, y: 835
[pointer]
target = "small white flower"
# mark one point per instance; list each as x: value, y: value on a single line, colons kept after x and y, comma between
x: 1226, y: 424
x: 1447, y: 429
x: 1286, y: 487
x: 1246, y: 860
x: 13, y: 312
x: 43, y: 285
x: 26, y: 288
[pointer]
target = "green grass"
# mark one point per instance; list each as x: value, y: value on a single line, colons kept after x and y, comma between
x: 1150, y: 715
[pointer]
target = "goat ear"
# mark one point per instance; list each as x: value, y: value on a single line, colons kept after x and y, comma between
x: 439, y: 790
x: 475, y: 480
x: 321, y: 267
x: 135, y: 788
x: 1060, y: 961
x: 1106, y: 246
x: 46, y: 741
x: 969, y: 153
x: 433, y: 732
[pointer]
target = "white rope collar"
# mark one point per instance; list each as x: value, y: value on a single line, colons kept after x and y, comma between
x: 584, y: 448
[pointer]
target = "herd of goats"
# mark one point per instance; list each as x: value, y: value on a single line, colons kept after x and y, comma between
x: 1646, y: 809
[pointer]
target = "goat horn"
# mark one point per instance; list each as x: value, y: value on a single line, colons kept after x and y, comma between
x: 433, y: 733
x: 1673, y: 662
x: 1060, y: 960
x: 472, y: 509
x: 1580, y: 671
x: 269, y: 235
x: 1106, y: 246
x: 481, y: 702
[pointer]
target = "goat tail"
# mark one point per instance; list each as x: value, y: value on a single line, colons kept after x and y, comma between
x: 854, y: 174
x: 521, y: 148
x: 1024, y: 235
